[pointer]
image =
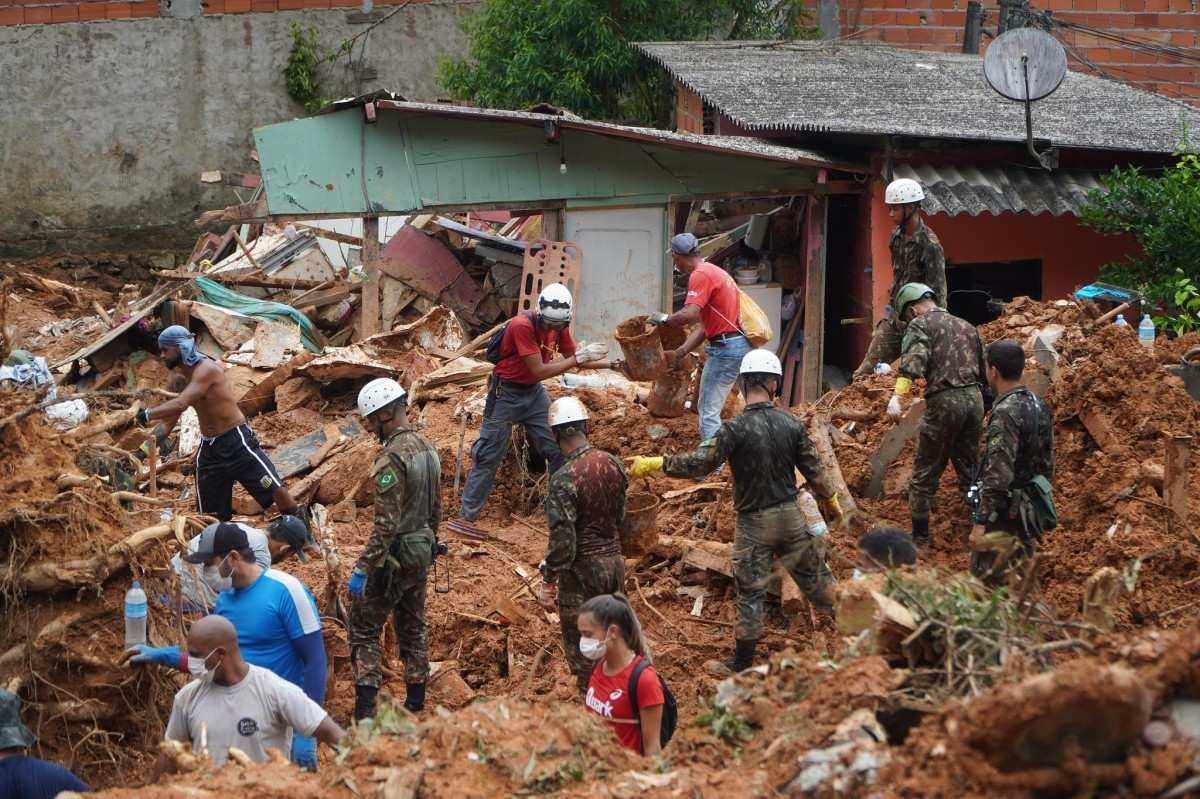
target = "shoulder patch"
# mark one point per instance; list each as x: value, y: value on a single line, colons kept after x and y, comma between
x: 386, y: 478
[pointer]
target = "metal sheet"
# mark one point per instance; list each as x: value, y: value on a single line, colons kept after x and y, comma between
x: 954, y: 190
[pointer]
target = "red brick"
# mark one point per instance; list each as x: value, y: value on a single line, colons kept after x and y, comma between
x: 345, y: 3
x: 213, y: 6
x: 919, y: 4
x: 1145, y: 20
x: 1133, y: 5
x: 895, y: 3
x: 263, y: 5
x: 64, y: 13
x: 946, y: 36
x: 1158, y: 5
x: 236, y: 6
x: 146, y: 8
x: 91, y: 11
x: 948, y: 19
x: 1181, y: 5
x: 1058, y: 5
x: 1179, y: 21
x: 12, y: 16
x: 907, y: 18
x: 36, y: 14
x: 290, y: 5
x: 1183, y: 38
x: 1108, y: 5
x: 945, y: 4
x: 118, y: 10
x: 1084, y: 5
x: 316, y: 3
x: 920, y: 35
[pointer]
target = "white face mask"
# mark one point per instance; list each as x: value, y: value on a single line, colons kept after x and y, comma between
x: 591, y: 648
x: 199, y: 670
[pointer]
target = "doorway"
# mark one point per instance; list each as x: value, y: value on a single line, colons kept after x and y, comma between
x: 975, y: 290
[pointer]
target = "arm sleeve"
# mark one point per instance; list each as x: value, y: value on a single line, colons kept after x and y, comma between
x: 300, y: 712
x: 649, y: 689
x: 708, y: 456
x: 914, y: 351
x: 934, y: 259
x: 177, y: 728
x: 561, y: 517
x: 388, y: 498
x: 699, y: 291
x: 810, y: 466
x: 311, y: 650
x: 997, y: 465
x: 72, y: 783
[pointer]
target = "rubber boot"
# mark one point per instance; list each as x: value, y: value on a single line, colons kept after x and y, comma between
x: 364, y: 701
x: 414, y: 698
x: 743, y: 658
x: 920, y: 531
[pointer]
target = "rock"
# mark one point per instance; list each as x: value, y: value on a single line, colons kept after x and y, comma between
x: 657, y: 431
x: 296, y: 392
x: 448, y: 687
x: 1017, y: 320
x: 1157, y: 734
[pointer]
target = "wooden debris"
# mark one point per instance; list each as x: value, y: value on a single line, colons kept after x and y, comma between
x: 890, y: 447
x: 46, y: 576
x: 818, y: 433
x: 509, y: 609
x: 1175, y: 482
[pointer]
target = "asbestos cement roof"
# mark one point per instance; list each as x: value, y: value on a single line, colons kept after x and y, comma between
x: 869, y: 88
x: 954, y: 190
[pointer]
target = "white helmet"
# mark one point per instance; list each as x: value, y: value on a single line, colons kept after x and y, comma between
x: 379, y: 393
x: 566, y: 410
x: 554, y: 303
x: 760, y: 362
x: 903, y: 190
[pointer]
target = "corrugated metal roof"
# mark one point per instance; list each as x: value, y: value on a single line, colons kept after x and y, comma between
x: 954, y: 190
x: 870, y: 88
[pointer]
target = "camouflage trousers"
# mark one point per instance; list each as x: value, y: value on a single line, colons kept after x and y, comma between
x: 761, y: 536
x: 950, y: 432
x: 587, y: 577
x: 404, y: 598
x: 1005, y: 547
x: 885, y: 344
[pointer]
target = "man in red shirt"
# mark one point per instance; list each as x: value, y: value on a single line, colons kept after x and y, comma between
x: 714, y: 301
x: 535, y: 347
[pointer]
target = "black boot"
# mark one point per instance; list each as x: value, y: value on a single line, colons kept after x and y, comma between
x: 920, y: 531
x: 364, y: 701
x: 743, y: 658
x: 414, y: 698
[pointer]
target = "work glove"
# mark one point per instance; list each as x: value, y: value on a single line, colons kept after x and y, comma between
x: 591, y: 352
x: 641, y: 466
x: 547, y: 596
x: 358, y: 584
x: 657, y: 318
x: 162, y: 655
x: 143, y: 417
x: 832, y: 509
x: 304, y: 752
x: 894, y: 407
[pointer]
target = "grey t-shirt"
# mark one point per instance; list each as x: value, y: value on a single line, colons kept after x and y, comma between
x: 256, y: 714
x: 200, y: 584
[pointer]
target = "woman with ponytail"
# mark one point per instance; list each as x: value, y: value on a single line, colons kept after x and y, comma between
x: 609, y: 632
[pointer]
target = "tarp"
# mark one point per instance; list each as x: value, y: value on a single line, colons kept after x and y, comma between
x: 215, y: 294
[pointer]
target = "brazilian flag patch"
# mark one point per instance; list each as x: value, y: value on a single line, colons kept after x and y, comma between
x: 386, y: 479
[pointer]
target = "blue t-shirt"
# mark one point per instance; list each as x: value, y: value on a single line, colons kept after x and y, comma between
x: 24, y: 777
x: 268, y: 615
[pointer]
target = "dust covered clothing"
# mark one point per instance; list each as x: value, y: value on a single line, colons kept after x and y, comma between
x: 1020, y: 446
x: 585, y: 508
x: 24, y: 777
x: 948, y: 353
x: 233, y: 456
x: 256, y: 714
x: 764, y: 446
x: 408, y: 509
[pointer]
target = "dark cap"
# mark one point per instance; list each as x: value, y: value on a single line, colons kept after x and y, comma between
x: 218, y: 540
x: 292, y: 531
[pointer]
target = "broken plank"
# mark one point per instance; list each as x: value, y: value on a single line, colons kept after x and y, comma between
x: 1175, y: 481
x: 1100, y: 430
x: 818, y: 434
x: 890, y: 447
x: 509, y: 609
x: 319, y: 298
x: 295, y: 456
x: 242, y: 280
x: 330, y: 235
x: 332, y: 436
x: 683, y: 492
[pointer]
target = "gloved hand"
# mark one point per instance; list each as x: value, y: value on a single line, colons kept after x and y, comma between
x: 831, y: 509
x: 547, y: 596
x: 591, y: 352
x: 358, y: 584
x: 143, y: 417
x: 304, y: 752
x: 641, y: 466
x: 162, y: 655
x: 657, y: 318
x: 894, y: 407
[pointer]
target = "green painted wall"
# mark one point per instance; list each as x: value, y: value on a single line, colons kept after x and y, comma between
x: 406, y: 162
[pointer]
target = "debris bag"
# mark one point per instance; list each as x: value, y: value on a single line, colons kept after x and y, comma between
x: 67, y: 415
x: 215, y: 294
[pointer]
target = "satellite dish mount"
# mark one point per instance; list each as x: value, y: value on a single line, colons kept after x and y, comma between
x: 1027, y: 65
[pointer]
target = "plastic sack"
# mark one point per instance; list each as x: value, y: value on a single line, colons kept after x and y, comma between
x: 753, y: 321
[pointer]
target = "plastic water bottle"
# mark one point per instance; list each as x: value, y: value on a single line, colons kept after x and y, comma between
x: 135, y: 615
x: 1120, y: 321
x: 1146, y: 332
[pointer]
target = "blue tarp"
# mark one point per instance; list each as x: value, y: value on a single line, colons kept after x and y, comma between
x: 215, y: 294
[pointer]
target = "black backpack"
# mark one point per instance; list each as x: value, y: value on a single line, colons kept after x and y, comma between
x: 670, y: 716
x: 494, y: 343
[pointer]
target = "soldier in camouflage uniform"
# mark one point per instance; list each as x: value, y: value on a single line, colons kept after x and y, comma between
x: 585, y: 508
x: 948, y: 353
x: 764, y: 446
x: 1020, y: 444
x: 917, y: 257
x: 389, y: 576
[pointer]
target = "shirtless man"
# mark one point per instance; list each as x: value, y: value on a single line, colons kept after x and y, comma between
x: 229, y: 450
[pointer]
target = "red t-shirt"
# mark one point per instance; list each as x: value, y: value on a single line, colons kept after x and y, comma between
x: 521, y: 338
x: 710, y: 288
x: 608, y: 697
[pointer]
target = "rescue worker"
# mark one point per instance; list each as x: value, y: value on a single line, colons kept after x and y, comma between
x: 714, y: 301
x: 917, y: 257
x: 534, y: 347
x: 947, y: 352
x: 1017, y: 468
x: 585, y: 508
x: 229, y: 450
x: 389, y: 576
x: 764, y: 446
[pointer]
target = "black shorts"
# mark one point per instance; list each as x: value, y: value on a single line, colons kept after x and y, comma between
x: 233, y: 455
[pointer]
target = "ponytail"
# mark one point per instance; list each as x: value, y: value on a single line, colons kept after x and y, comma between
x: 614, y: 609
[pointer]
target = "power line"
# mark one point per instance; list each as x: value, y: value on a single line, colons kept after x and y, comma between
x: 1049, y: 22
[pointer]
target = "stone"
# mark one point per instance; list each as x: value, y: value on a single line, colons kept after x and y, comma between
x: 296, y: 392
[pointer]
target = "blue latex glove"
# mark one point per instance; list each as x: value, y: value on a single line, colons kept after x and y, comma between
x: 358, y: 584
x: 304, y: 752
x: 162, y: 655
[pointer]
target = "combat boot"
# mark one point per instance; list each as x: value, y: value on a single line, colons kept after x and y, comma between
x: 364, y: 701
x: 414, y: 698
x: 743, y: 658
x: 920, y: 532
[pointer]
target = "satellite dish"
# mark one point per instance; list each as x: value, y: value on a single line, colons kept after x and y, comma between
x: 1027, y: 64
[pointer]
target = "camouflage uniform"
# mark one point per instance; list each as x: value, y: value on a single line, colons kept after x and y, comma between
x: 764, y: 446
x: 1020, y: 444
x: 916, y: 260
x: 407, y: 477
x: 585, y: 508
x: 948, y: 353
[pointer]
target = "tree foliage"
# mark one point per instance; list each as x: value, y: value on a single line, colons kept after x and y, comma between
x: 576, y: 53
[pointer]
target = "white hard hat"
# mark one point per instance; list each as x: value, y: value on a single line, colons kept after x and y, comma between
x: 566, y: 410
x: 554, y: 303
x: 379, y: 393
x: 903, y: 190
x: 758, y: 362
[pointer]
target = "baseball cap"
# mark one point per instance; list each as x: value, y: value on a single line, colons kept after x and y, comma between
x: 292, y: 531
x: 684, y: 244
x: 218, y: 540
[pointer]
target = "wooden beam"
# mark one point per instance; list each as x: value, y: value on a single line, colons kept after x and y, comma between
x: 369, y: 325
x: 1175, y: 482
x: 243, y: 280
x: 816, y: 213
x: 322, y: 233
x: 890, y: 447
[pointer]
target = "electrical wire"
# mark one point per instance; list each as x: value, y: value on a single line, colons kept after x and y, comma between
x: 1049, y: 22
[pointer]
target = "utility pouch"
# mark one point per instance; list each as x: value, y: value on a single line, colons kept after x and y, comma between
x: 411, y: 552
x: 1042, y: 496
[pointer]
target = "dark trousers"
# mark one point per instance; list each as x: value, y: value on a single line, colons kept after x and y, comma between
x: 950, y: 432
x: 587, y: 577
x: 404, y: 598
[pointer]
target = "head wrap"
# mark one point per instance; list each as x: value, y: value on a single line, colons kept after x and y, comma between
x: 179, y: 336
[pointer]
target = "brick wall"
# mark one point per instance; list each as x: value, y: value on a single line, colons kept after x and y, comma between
x: 938, y: 25
x: 37, y: 12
